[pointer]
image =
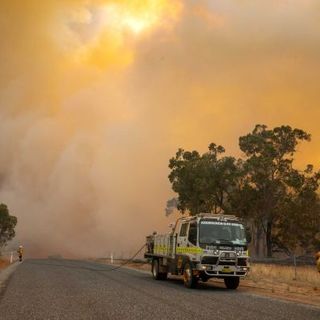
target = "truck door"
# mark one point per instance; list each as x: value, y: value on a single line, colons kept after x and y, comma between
x: 182, y: 237
x: 192, y: 242
x: 192, y: 234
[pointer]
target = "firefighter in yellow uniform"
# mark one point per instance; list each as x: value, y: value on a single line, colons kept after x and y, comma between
x: 318, y: 260
x: 20, y: 252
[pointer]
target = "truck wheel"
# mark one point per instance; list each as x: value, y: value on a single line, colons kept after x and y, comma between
x: 155, y: 271
x: 232, y: 282
x: 189, y: 280
x: 163, y: 276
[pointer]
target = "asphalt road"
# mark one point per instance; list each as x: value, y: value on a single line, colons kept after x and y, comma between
x: 67, y: 289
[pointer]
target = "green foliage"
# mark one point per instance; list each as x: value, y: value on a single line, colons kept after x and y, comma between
x: 263, y: 187
x: 202, y: 182
x: 7, y: 225
x: 272, y: 182
x: 299, y: 222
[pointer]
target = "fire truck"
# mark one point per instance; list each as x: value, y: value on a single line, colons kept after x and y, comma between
x: 199, y: 248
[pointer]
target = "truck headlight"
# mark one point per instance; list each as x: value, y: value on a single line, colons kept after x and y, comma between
x: 242, y: 253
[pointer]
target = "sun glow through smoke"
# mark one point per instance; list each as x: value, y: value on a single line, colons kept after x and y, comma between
x: 123, y: 20
x: 104, y: 35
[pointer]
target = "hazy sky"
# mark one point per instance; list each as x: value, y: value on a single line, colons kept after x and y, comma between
x: 96, y: 96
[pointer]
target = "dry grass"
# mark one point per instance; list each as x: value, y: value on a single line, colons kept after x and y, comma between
x: 286, y: 274
x: 280, y: 282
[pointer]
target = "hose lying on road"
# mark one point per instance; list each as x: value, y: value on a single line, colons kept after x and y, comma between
x: 127, y: 261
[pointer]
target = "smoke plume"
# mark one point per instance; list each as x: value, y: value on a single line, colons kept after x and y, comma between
x: 96, y: 96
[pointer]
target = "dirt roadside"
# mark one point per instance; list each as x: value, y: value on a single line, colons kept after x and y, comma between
x: 297, y: 291
x: 6, y: 270
x: 4, y: 263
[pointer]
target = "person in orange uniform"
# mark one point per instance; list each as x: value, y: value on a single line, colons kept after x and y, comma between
x: 20, y: 252
x: 318, y: 260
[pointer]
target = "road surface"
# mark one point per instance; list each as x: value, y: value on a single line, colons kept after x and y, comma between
x: 68, y: 289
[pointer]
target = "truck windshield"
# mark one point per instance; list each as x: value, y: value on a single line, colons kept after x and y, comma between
x: 218, y: 232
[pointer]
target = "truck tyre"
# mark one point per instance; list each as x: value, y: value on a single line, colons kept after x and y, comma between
x: 189, y: 280
x: 155, y: 271
x: 232, y: 282
x: 163, y: 276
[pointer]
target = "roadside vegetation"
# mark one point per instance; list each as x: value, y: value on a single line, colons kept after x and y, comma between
x: 300, y: 284
x: 7, y: 226
x: 285, y: 274
x: 279, y: 202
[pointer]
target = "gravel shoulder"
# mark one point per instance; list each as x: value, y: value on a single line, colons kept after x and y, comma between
x: 5, y: 274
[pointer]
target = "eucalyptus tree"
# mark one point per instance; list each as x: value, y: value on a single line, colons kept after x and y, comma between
x: 269, y: 172
x: 204, y: 182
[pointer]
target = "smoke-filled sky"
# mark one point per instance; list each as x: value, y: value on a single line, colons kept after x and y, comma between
x: 97, y: 95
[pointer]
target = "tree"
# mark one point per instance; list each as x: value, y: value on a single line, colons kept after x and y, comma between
x: 280, y: 202
x: 203, y: 182
x: 7, y: 225
x: 299, y: 223
x: 268, y: 172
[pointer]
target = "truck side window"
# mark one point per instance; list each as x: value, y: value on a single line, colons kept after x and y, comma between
x: 193, y: 233
x: 183, y: 230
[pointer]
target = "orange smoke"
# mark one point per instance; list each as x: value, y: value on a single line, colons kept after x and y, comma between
x: 96, y: 96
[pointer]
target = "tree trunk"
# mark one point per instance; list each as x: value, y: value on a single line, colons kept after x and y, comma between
x: 269, y: 239
x: 257, y: 244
